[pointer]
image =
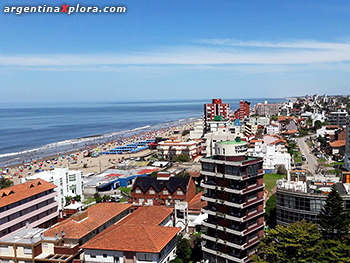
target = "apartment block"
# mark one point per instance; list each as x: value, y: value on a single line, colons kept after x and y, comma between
x: 234, y: 190
x: 30, y: 204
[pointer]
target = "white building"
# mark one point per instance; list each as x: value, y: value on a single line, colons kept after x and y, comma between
x: 68, y: 182
x: 273, y: 128
x: 198, y: 130
x: 211, y: 138
x: 272, y: 156
x: 171, y: 148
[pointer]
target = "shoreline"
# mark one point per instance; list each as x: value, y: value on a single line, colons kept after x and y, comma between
x: 16, y: 168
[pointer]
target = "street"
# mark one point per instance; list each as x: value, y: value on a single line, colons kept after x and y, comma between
x: 311, y: 161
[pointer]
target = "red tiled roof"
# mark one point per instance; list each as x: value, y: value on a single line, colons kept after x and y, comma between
x: 147, y: 171
x: 339, y: 143
x: 290, y: 132
x: 135, y: 238
x: 148, y: 215
x: 97, y: 215
x: 196, y: 204
x: 19, y: 192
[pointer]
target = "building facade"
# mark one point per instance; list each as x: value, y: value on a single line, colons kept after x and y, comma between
x: 347, y: 146
x: 266, y: 109
x: 170, y: 149
x: 30, y: 204
x: 243, y: 111
x: 297, y: 200
x: 234, y: 190
x: 68, y: 183
x: 337, y: 118
x: 216, y: 108
x: 162, y: 190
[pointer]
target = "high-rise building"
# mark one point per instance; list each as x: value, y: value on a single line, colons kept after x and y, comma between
x: 216, y: 108
x: 338, y: 118
x: 243, y: 111
x: 234, y: 190
x: 267, y: 109
x: 347, y: 147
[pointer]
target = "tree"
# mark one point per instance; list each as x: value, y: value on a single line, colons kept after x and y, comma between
x: 185, y: 132
x: 281, y: 169
x: 68, y: 200
x: 176, y: 260
x: 332, y: 251
x: 295, y: 243
x: 197, y: 253
x: 317, y: 125
x: 97, y: 197
x: 77, y: 198
x: 4, y: 183
x: 183, y: 173
x: 333, y: 219
x: 182, y: 158
x: 183, y: 249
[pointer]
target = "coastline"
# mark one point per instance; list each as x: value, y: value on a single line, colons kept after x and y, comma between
x: 15, y: 161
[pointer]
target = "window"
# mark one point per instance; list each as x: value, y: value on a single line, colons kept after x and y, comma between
x: 144, y: 257
x: 138, y: 191
x: 4, y: 249
x: 151, y: 192
x: 165, y: 192
x: 92, y: 256
x: 27, y: 250
x: 179, y: 192
x: 45, y: 245
x: 104, y: 255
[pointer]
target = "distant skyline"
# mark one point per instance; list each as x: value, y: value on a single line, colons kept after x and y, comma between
x: 175, y: 49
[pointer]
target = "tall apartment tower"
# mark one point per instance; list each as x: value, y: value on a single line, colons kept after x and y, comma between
x: 216, y: 108
x: 347, y: 147
x: 234, y: 190
x: 243, y: 111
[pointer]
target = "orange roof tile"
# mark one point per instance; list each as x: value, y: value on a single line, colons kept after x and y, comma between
x: 19, y: 192
x: 339, y: 143
x: 196, y: 204
x: 97, y: 215
x: 135, y: 238
x: 290, y: 132
x: 148, y: 215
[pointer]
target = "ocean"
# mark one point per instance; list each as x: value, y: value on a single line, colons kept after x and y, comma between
x: 44, y: 126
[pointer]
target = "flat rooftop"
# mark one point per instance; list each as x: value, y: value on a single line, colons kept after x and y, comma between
x: 26, y: 236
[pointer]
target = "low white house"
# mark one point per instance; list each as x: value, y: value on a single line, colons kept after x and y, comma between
x: 271, y: 156
x: 68, y: 182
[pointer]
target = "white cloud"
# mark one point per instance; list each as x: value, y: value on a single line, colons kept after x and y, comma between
x: 213, y: 53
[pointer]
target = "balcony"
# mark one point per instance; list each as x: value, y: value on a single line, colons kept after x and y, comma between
x: 253, y: 188
x: 214, y: 251
x: 67, y: 249
x: 253, y: 201
x: 221, y: 241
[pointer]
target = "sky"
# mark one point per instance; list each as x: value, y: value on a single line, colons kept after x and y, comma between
x: 175, y: 49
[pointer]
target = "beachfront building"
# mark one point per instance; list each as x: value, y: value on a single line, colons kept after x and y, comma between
x: 68, y: 183
x: 198, y: 130
x: 171, y: 148
x: 243, y: 111
x: 145, y: 235
x: 297, y: 200
x: 234, y: 190
x: 165, y: 189
x: 216, y: 108
x: 30, y: 204
x: 347, y: 147
x: 273, y: 128
x: 265, y: 109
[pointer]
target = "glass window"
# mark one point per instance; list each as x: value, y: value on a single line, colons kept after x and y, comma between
x: 165, y: 192
x: 179, y: 192
x: 138, y: 191
x: 151, y: 192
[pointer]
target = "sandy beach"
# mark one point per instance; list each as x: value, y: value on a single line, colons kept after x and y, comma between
x: 76, y: 160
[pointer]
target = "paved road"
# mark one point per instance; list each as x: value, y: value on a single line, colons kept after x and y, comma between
x: 311, y: 161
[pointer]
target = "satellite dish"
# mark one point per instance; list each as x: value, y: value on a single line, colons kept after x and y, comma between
x: 63, y: 233
x: 41, y: 235
x: 57, y: 236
